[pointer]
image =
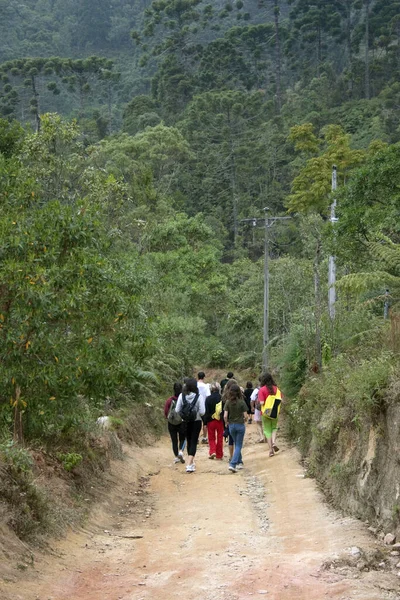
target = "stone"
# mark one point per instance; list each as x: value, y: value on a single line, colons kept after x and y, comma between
x: 354, y: 551
x: 389, y: 539
x: 373, y: 530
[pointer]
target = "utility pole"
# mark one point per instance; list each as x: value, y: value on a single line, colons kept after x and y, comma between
x: 268, y: 223
x: 332, y: 259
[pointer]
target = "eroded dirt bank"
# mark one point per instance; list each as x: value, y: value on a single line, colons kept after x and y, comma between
x: 264, y: 531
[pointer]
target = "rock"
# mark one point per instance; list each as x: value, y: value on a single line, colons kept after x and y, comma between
x: 373, y: 530
x: 354, y: 551
x: 398, y: 566
x: 395, y: 553
x: 104, y: 422
x: 389, y: 539
x: 396, y: 546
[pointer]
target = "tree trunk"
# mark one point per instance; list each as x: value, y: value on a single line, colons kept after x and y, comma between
x: 109, y: 106
x: 232, y: 175
x: 234, y: 194
x: 319, y: 50
x: 278, y: 63
x: 367, y: 73
x: 36, y: 97
x: 18, y: 431
x: 349, y: 48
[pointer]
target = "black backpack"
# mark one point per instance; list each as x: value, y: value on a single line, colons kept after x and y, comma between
x: 188, y: 411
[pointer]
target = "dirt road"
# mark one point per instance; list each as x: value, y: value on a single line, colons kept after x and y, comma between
x: 211, y: 535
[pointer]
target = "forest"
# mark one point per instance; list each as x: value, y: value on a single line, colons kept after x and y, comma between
x: 140, y: 144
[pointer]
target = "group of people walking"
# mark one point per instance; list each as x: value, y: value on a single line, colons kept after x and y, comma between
x: 220, y: 410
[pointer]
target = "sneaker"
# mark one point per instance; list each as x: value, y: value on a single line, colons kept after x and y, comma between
x: 232, y: 469
x: 180, y: 456
x: 190, y: 469
x: 240, y: 466
x: 204, y: 440
x: 249, y: 421
x: 212, y: 456
x: 177, y: 459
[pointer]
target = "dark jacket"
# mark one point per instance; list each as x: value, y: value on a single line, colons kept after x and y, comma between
x: 211, y: 402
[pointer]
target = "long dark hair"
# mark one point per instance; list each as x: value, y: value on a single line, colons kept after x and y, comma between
x: 234, y: 393
x: 177, y: 389
x: 267, y: 380
x: 191, y: 386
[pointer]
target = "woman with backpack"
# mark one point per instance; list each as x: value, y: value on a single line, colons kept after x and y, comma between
x: 176, y: 426
x: 213, y: 418
x: 269, y: 390
x: 235, y: 413
x: 191, y: 407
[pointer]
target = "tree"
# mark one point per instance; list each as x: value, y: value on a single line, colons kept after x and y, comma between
x: 51, y: 74
x: 312, y: 22
x: 311, y: 188
x: 222, y: 128
x: 70, y: 307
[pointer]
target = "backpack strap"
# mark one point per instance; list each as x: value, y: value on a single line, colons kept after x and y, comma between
x: 194, y: 401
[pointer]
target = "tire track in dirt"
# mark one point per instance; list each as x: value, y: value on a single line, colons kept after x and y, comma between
x: 263, y: 532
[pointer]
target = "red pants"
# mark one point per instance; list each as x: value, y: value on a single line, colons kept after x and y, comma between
x: 215, y: 437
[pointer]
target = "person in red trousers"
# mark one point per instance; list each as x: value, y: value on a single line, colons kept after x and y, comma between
x: 214, y: 422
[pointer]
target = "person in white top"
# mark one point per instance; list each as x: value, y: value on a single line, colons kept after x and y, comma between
x: 204, y: 391
x: 257, y: 414
x: 193, y: 426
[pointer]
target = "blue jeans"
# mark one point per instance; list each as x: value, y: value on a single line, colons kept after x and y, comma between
x: 237, y: 431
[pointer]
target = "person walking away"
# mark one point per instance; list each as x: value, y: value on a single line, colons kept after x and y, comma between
x: 214, y: 419
x: 224, y: 381
x: 224, y: 395
x: 176, y: 427
x: 256, y: 408
x: 191, y: 407
x: 270, y: 425
x: 247, y: 398
x: 204, y: 390
x: 235, y: 412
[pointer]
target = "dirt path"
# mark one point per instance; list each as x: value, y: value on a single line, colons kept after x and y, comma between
x: 211, y: 535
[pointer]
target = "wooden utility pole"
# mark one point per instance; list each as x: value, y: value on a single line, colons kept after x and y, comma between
x: 268, y: 223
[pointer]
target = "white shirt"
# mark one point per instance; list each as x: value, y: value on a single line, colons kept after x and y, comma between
x: 254, y: 395
x: 204, y: 389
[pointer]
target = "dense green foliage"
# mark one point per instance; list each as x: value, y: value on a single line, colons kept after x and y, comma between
x: 132, y: 232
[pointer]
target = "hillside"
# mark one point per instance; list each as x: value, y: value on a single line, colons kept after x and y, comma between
x: 146, y: 151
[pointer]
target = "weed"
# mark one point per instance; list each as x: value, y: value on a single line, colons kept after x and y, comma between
x: 16, y: 457
x: 70, y: 460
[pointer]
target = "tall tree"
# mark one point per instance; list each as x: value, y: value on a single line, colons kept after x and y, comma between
x: 223, y: 131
